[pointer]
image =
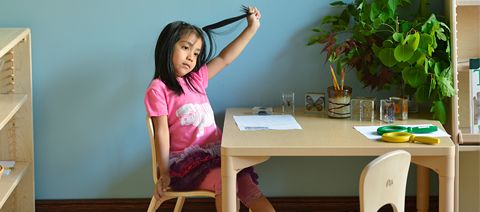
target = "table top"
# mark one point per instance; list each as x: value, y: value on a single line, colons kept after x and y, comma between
x: 320, y: 136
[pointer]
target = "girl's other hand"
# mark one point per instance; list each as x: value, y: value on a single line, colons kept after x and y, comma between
x: 162, y: 185
x: 254, y: 18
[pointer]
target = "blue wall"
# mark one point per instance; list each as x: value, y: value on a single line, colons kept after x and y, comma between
x: 92, y: 61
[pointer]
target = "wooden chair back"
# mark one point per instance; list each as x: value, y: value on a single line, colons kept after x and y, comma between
x: 383, y: 181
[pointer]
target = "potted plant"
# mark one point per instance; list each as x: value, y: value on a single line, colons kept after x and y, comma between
x: 388, y: 50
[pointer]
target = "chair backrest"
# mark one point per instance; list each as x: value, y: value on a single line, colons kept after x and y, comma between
x: 151, y: 137
x: 383, y: 181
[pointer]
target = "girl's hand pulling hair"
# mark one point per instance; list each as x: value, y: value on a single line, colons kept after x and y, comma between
x: 254, y: 18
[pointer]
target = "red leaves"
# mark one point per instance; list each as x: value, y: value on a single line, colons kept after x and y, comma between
x: 372, y: 73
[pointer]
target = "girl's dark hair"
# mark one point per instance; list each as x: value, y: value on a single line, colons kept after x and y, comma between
x: 170, y: 35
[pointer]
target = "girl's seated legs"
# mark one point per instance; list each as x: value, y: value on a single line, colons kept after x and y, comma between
x: 247, y: 191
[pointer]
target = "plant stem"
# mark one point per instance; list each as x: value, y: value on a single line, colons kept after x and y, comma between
x: 397, y: 25
x: 393, y: 30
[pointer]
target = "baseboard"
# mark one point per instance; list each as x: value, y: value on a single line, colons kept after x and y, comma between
x: 294, y: 204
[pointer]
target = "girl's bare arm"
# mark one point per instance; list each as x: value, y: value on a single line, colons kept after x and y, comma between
x: 232, y: 50
x: 162, y: 148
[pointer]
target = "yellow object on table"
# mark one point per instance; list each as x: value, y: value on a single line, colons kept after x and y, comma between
x: 400, y: 137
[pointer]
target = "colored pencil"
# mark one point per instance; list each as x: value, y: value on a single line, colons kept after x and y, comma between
x: 334, y: 78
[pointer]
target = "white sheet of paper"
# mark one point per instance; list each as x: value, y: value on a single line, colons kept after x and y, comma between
x: 266, y: 122
x: 371, y: 131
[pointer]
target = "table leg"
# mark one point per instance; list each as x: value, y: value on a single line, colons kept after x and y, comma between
x: 445, y: 168
x: 230, y: 167
x: 447, y: 191
x: 423, y: 189
x: 229, y: 189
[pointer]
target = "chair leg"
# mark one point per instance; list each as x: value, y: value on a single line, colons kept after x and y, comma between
x: 155, y: 203
x: 152, y: 207
x: 179, y: 204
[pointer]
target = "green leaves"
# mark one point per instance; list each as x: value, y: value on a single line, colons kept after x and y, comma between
x: 439, y: 112
x: 371, y: 37
x: 387, y: 57
x: 431, y: 25
x: 422, y: 94
x: 425, y: 44
x: 397, y: 37
x: 407, y: 47
x: 414, y: 76
x: 405, y: 50
x: 445, y: 82
x: 392, y: 6
x: 441, y: 35
x: 338, y: 3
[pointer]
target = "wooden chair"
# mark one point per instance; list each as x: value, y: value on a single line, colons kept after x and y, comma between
x: 155, y: 203
x: 383, y: 181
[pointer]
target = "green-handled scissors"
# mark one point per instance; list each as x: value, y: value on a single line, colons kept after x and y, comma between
x: 396, y: 128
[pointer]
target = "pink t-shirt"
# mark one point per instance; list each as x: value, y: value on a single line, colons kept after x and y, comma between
x: 190, y: 115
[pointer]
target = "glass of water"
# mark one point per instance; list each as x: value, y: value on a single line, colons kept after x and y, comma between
x: 387, y: 110
x: 288, y: 103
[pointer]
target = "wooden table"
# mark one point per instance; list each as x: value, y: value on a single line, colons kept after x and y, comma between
x: 241, y: 149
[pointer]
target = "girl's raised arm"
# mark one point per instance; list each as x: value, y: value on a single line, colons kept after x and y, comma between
x: 232, y: 50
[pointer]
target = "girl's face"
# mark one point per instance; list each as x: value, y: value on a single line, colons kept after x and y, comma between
x: 185, y: 53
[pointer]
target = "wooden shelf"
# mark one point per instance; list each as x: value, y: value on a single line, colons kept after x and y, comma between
x: 17, y: 190
x: 468, y: 138
x: 463, y: 66
x: 468, y: 32
x: 9, y: 37
x: 9, y: 182
x: 469, y: 148
x: 468, y: 2
x: 9, y: 105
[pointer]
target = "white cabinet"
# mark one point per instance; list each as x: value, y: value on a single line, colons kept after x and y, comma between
x: 17, y: 191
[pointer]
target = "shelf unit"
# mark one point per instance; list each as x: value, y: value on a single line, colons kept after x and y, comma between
x: 465, y: 28
x: 17, y: 191
x: 465, y: 16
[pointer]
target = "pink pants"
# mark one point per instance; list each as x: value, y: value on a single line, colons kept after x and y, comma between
x: 247, y: 190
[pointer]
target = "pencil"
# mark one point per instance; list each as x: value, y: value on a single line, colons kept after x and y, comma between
x: 335, y: 83
x: 343, y: 78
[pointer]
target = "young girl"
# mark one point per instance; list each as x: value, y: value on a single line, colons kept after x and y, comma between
x: 188, y: 139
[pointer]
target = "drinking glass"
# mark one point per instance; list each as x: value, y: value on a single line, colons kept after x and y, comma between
x: 339, y: 102
x: 363, y: 108
x: 288, y: 102
x: 401, y: 108
x: 387, y: 111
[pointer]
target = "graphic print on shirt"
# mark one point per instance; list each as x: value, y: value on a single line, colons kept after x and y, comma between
x: 198, y: 115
